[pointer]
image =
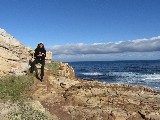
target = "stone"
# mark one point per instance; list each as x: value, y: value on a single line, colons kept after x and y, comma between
x: 14, y: 56
x: 62, y: 96
x: 48, y: 57
x: 66, y: 70
x: 36, y: 105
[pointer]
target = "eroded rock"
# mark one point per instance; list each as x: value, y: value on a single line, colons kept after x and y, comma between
x: 14, y: 56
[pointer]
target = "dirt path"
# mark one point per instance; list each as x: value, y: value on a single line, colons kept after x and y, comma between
x: 50, y: 94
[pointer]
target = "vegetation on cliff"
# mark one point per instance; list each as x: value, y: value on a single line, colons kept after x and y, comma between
x: 12, y: 87
x: 54, y: 67
x: 60, y: 97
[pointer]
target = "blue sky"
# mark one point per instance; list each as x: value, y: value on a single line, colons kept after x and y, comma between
x: 70, y: 27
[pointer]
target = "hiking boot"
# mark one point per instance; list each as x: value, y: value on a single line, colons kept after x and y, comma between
x: 31, y: 71
x: 37, y: 75
x: 41, y: 77
x: 41, y: 80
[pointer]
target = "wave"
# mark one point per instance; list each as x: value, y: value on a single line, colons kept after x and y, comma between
x: 132, y: 75
x: 92, y: 74
x: 152, y: 77
x: 150, y: 80
x: 145, y: 73
x: 125, y: 75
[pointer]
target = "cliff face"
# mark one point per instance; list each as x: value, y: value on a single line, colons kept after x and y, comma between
x: 14, y: 56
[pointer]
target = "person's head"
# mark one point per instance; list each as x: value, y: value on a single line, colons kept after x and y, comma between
x: 40, y: 45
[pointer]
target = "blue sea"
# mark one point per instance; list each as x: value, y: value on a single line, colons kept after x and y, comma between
x: 141, y: 72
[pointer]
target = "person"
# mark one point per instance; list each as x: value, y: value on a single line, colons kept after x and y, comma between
x: 39, y: 56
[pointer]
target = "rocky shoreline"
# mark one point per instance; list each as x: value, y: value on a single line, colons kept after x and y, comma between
x: 92, y: 100
x: 62, y: 96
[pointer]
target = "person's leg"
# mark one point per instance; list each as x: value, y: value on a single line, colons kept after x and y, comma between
x: 33, y: 65
x: 36, y: 71
x: 42, y: 68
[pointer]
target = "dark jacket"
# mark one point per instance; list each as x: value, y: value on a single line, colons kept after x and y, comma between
x: 40, y: 51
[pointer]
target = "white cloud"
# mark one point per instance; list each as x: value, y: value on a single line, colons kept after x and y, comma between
x: 140, y: 45
x: 105, y: 50
x: 109, y: 57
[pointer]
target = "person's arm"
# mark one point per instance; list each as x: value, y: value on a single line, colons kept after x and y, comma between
x: 35, y: 53
x: 44, y: 53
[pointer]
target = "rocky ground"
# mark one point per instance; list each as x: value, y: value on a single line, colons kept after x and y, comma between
x: 74, y: 99
x: 61, y: 96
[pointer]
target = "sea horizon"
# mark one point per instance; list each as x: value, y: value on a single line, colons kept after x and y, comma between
x: 105, y: 60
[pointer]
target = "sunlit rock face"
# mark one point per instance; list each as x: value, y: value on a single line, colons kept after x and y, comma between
x: 14, y: 56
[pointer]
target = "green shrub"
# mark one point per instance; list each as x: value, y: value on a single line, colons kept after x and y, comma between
x: 54, y: 66
x: 12, y: 87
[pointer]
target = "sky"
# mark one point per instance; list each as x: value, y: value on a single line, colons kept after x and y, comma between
x: 86, y: 30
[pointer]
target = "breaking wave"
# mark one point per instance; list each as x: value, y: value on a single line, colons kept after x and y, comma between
x: 143, y: 73
x: 92, y: 74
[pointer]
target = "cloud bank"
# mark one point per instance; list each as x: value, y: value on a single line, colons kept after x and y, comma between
x: 139, y: 45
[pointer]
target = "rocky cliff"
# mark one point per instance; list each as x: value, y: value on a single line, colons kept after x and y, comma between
x: 62, y: 96
x: 14, y: 56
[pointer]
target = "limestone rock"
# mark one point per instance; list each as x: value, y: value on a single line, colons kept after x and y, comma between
x: 48, y: 57
x: 66, y: 71
x: 73, y: 99
x: 7, y: 38
x: 14, y: 56
x: 64, y: 97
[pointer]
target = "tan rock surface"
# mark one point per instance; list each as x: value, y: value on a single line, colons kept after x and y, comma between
x: 14, y: 56
x: 66, y: 71
x: 61, y: 96
x: 93, y: 100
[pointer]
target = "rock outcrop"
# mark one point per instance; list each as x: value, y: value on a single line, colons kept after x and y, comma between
x: 48, y: 57
x: 75, y: 99
x: 66, y: 70
x: 62, y: 96
x: 14, y: 56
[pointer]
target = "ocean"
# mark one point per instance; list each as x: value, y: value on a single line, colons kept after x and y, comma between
x: 138, y: 72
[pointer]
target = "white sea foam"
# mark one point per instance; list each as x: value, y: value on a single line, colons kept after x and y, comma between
x: 127, y: 75
x: 136, y: 78
x: 123, y: 74
x: 157, y: 88
x: 93, y: 73
x: 149, y: 80
x: 151, y: 77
